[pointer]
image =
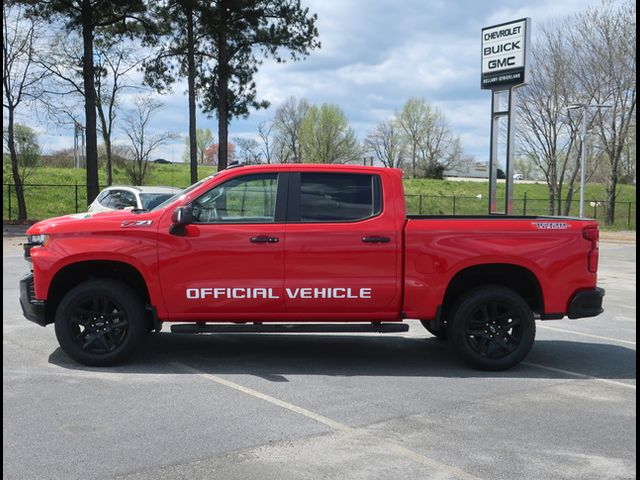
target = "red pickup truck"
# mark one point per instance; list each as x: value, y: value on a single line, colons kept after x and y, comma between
x: 306, y: 248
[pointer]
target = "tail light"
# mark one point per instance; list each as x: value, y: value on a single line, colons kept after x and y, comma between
x: 593, y: 235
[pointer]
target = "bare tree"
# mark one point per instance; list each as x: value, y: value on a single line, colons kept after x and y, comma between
x: 89, y: 18
x: 266, y: 140
x: 141, y: 142
x: 20, y: 81
x: 385, y: 143
x: 604, y: 40
x: 248, y: 150
x: 588, y: 59
x: 286, y: 125
x: 440, y: 149
x: 63, y: 90
x: 114, y: 66
x: 546, y: 133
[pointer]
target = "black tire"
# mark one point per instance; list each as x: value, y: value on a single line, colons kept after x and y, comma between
x: 100, y: 323
x: 437, y: 329
x: 492, y: 328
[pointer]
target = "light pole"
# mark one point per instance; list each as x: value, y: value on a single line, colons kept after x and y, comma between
x: 583, y: 149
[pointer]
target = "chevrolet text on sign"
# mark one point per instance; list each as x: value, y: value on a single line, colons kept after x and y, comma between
x: 504, y: 56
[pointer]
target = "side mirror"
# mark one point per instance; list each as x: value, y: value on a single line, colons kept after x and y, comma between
x: 181, y: 217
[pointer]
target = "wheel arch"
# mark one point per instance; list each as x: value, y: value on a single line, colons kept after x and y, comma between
x: 517, y: 278
x: 74, y: 274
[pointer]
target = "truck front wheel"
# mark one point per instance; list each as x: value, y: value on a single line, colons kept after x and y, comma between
x: 492, y: 328
x: 100, y: 323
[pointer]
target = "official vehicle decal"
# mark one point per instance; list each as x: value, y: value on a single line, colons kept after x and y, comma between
x: 223, y: 293
x: 551, y: 225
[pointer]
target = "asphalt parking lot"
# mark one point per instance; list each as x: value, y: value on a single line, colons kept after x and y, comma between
x: 363, y: 406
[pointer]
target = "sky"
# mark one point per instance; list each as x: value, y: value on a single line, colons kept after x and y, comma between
x: 375, y: 55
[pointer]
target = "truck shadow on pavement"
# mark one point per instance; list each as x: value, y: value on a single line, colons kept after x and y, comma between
x: 273, y: 357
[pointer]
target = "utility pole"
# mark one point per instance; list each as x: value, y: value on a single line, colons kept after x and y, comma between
x: 583, y: 149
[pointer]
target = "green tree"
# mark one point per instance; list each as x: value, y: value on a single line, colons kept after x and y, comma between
x: 27, y: 157
x: 204, y: 139
x: 88, y: 17
x: 326, y: 137
x: 412, y: 118
x: 27, y: 148
x: 241, y: 33
x: 432, y: 145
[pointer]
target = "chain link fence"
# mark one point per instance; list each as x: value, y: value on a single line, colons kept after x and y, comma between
x: 625, y: 212
x: 50, y: 200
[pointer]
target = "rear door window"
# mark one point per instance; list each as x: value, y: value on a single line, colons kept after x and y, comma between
x: 338, y: 197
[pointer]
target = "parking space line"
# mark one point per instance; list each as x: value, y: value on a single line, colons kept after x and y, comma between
x: 391, y: 446
x: 611, y: 339
x: 580, y: 375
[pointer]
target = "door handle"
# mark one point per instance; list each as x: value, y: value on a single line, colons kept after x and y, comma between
x: 376, y: 239
x: 264, y: 239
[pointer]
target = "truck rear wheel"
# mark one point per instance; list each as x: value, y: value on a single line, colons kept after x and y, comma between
x: 492, y: 328
x: 100, y: 323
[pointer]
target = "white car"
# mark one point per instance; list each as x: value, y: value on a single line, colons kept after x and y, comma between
x: 518, y: 176
x: 143, y: 198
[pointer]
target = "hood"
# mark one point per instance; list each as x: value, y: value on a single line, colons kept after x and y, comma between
x: 91, y: 222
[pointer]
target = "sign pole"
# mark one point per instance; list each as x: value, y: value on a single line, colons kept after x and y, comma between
x: 510, y: 149
x: 583, y: 156
x: 498, y: 113
x: 504, y: 69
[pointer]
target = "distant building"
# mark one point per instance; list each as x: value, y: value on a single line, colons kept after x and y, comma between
x: 477, y: 169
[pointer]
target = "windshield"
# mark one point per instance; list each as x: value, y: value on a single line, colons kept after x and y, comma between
x: 152, y: 200
x: 182, y: 193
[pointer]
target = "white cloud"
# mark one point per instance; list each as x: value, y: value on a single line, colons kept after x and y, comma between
x: 375, y: 55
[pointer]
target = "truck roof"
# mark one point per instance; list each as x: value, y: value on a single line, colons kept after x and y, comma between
x: 312, y: 166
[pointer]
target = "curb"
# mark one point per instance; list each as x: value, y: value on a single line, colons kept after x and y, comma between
x: 14, y: 230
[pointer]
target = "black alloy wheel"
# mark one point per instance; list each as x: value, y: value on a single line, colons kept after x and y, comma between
x: 493, y: 328
x: 100, y: 322
x: 98, y: 325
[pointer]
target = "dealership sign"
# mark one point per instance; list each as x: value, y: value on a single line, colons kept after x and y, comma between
x: 504, y: 54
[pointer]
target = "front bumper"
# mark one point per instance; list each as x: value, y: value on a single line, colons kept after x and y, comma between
x: 586, y: 304
x: 32, y: 309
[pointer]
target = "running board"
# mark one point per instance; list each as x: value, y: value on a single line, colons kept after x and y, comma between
x: 290, y: 328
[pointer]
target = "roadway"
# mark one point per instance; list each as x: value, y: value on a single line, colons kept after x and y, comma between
x: 342, y: 407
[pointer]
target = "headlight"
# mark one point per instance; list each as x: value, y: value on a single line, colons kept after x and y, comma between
x: 33, y: 241
x: 36, y: 239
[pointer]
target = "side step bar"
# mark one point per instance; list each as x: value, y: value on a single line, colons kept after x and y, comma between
x: 290, y: 328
